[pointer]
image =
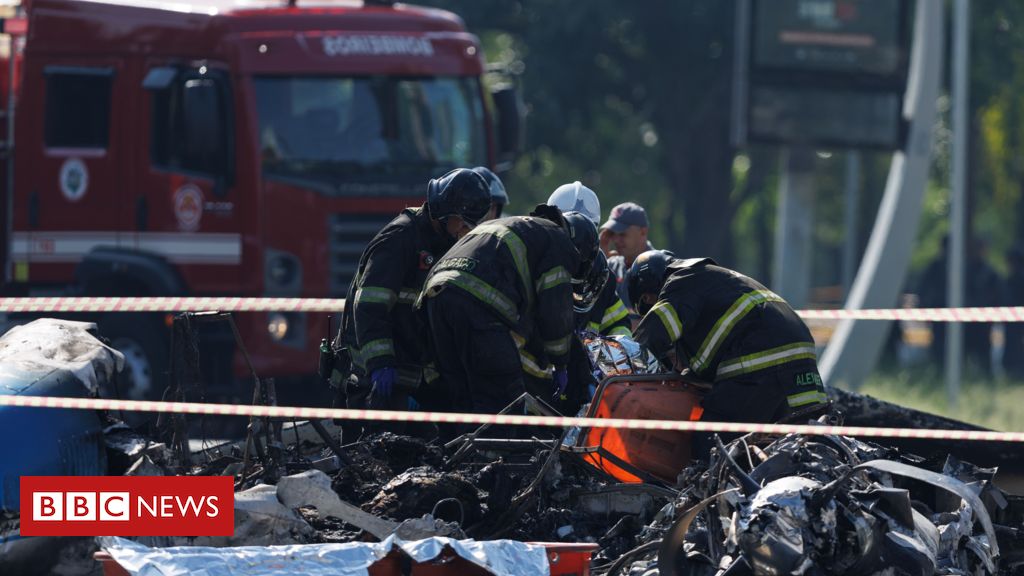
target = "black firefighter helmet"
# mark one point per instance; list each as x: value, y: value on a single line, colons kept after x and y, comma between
x: 461, y: 192
x: 646, y: 276
x: 498, y: 194
x: 583, y: 234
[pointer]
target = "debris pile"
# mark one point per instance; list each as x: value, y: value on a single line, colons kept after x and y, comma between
x: 519, y: 490
x: 762, y: 505
x: 835, y: 505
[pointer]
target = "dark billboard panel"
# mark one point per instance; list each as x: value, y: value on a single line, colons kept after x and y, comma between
x: 858, y: 36
x: 824, y: 117
x: 824, y: 72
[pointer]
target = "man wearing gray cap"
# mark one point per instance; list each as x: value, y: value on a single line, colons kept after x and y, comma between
x: 623, y: 238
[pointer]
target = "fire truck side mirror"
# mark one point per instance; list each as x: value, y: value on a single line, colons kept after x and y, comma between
x: 206, y: 138
x: 509, y: 114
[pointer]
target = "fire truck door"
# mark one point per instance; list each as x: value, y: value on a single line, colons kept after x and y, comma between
x: 186, y: 204
x: 70, y: 194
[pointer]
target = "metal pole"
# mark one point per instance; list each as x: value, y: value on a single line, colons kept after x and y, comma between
x: 12, y: 42
x: 781, y: 224
x: 739, y: 73
x: 957, y: 199
x: 794, y: 228
x: 850, y: 219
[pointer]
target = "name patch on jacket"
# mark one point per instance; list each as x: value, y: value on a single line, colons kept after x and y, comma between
x: 808, y: 379
x: 457, y: 263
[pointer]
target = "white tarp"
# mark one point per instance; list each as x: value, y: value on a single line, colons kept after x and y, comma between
x: 500, y: 557
x: 48, y: 345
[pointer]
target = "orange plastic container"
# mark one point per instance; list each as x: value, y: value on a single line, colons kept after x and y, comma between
x: 628, y: 455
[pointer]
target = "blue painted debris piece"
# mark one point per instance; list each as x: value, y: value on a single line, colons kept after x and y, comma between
x: 49, y: 357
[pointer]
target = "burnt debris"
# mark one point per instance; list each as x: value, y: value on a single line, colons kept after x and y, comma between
x: 762, y: 505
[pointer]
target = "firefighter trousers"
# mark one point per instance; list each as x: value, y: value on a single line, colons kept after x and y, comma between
x: 765, y: 396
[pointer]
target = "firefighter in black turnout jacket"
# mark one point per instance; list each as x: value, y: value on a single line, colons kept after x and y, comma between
x: 598, y: 309
x: 729, y: 330
x: 380, y: 327
x: 506, y: 281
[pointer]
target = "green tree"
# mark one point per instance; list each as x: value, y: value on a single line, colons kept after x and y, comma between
x: 633, y: 98
x: 997, y: 115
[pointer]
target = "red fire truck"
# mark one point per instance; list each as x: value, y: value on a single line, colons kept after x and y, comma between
x: 243, y: 148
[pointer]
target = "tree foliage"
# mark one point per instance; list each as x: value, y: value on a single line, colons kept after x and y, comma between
x: 632, y: 98
x: 997, y: 105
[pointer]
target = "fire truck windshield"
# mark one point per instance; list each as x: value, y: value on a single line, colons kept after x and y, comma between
x: 368, y: 128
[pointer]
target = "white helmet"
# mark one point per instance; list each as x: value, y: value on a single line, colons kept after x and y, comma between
x: 576, y: 197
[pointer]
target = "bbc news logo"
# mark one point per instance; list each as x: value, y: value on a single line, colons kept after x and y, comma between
x: 117, y: 506
x: 81, y: 506
x: 127, y: 506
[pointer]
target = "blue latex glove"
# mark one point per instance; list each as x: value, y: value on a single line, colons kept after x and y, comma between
x: 561, y: 382
x: 383, y: 380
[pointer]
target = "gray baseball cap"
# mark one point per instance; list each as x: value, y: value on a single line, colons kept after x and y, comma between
x: 625, y: 215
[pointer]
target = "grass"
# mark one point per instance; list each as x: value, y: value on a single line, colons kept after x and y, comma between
x: 992, y: 403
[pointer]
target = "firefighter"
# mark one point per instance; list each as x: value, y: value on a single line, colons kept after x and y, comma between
x: 506, y: 281
x: 499, y: 197
x: 607, y: 315
x: 382, y: 331
x: 538, y: 371
x: 729, y: 330
x: 597, y: 308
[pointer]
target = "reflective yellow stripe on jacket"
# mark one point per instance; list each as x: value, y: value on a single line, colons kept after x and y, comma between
x: 720, y: 331
x: 552, y: 278
x: 558, y: 346
x: 408, y: 295
x: 529, y: 362
x: 669, y: 319
x: 806, y: 398
x: 376, y: 295
x: 373, y: 349
x: 614, y: 313
x: 517, y: 248
x: 483, y: 291
x: 766, y: 359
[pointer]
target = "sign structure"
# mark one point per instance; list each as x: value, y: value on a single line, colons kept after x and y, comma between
x: 827, y: 72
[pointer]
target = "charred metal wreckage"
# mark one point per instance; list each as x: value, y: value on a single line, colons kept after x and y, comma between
x: 762, y: 505
x: 830, y: 505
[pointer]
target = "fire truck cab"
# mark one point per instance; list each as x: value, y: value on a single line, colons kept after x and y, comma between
x: 233, y: 148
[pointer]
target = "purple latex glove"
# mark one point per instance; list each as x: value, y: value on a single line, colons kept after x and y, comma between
x: 561, y: 382
x: 383, y: 380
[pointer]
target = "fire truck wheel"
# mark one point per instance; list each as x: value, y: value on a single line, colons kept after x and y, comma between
x: 144, y: 344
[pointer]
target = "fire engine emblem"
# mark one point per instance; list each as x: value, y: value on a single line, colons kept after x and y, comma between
x: 188, y: 207
x: 74, y: 179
